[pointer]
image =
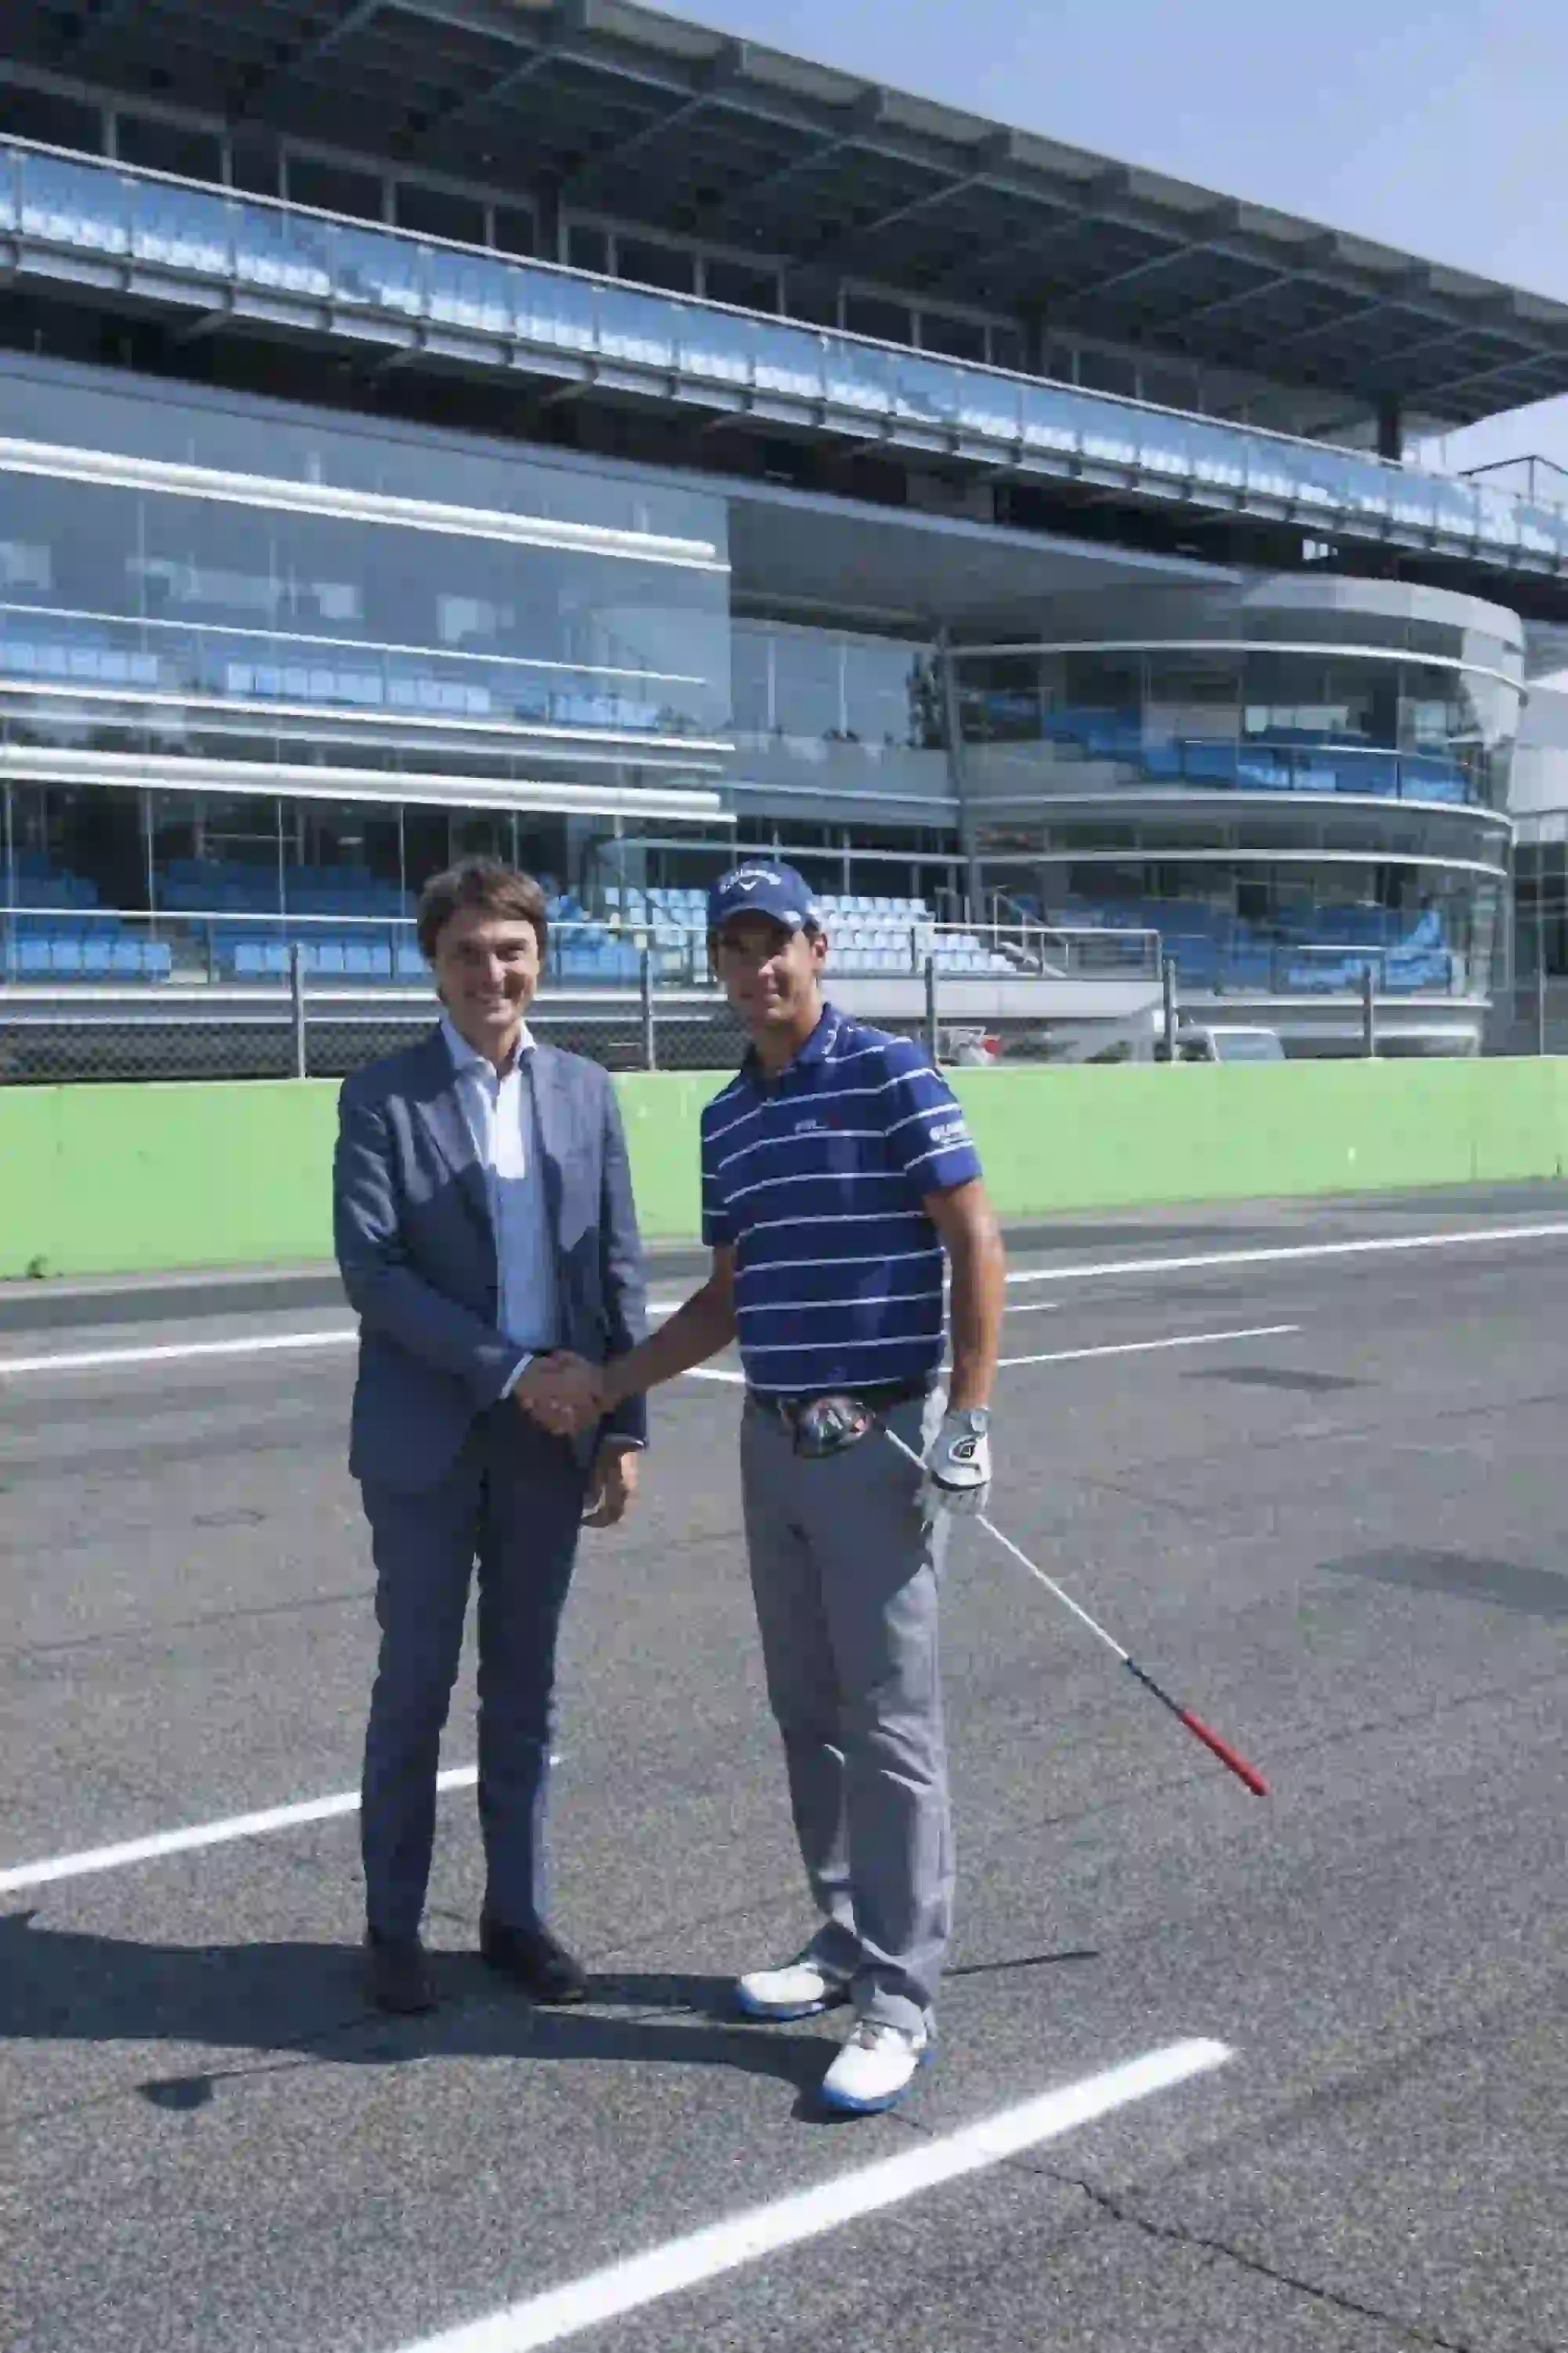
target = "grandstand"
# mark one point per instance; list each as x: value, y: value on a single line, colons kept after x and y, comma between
x: 639, y: 447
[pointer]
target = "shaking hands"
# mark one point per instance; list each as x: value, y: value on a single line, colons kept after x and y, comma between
x: 565, y: 1393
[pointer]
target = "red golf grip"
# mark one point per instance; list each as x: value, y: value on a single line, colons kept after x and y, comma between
x: 1224, y: 1752
x: 1195, y: 1723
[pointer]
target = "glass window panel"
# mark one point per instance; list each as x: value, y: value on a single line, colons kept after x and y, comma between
x: 386, y: 272
x: 886, y: 693
x: 1167, y: 384
x: 751, y: 680
x: 281, y: 250
x: 216, y: 852
x: 342, y: 857
x: 873, y: 315
x: 648, y: 263
x: 73, y: 203
x: 516, y: 231
x: 788, y: 359
x: 1107, y: 372
x: 858, y: 376
x: 817, y: 305
x: 471, y: 290
x: 925, y: 390
x: 714, y: 344
x: 735, y: 282
x: 1007, y: 347
x: 1191, y: 697
x: 958, y: 338
x: 552, y: 307
x: 639, y: 327
x: 588, y: 248
x: 808, y: 671
x: 438, y: 212
x: 52, y: 121
x: 158, y: 146
x: 181, y: 227
x: 333, y: 188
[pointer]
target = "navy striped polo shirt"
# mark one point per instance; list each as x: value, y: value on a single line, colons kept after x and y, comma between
x: 816, y: 1181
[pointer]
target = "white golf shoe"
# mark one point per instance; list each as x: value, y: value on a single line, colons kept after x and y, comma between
x: 800, y: 1990
x: 876, y: 2067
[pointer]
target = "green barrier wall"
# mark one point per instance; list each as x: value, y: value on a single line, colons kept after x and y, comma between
x: 131, y: 1179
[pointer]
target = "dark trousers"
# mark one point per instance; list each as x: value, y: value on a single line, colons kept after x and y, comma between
x: 512, y: 1502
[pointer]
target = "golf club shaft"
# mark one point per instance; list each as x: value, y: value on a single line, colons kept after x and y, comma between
x: 1228, y: 1756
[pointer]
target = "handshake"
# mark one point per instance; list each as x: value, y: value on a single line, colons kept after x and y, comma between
x: 565, y: 1394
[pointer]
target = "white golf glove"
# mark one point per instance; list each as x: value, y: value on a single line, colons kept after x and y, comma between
x: 958, y: 1463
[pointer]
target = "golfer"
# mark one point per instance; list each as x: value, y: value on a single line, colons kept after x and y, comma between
x: 837, y: 1169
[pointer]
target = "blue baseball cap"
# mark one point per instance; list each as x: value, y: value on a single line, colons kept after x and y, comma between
x: 762, y: 887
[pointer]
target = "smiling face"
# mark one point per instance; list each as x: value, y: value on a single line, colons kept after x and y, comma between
x: 486, y: 970
x: 771, y: 975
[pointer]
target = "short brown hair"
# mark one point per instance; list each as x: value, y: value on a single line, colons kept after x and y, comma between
x: 488, y: 883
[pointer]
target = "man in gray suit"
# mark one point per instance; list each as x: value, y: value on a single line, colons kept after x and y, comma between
x: 484, y: 1222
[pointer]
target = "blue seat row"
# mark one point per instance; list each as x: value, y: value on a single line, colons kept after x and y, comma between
x: 88, y: 959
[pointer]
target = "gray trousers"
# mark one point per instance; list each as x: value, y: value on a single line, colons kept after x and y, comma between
x: 844, y: 1575
x: 512, y: 1502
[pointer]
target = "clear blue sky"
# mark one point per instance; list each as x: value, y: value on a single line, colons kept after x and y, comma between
x: 1438, y: 126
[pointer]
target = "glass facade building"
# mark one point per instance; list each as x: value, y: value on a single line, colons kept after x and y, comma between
x: 1291, y: 782
x: 356, y: 511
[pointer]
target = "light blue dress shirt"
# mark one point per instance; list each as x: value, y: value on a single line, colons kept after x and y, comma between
x: 499, y: 1109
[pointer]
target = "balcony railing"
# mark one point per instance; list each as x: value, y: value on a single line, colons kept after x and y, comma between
x: 44, y: 948
x: 142, y: 234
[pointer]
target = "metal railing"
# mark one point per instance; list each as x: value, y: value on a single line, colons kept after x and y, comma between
x: 50, y: 946
x: 1229, y: 765
x: 224, y: 253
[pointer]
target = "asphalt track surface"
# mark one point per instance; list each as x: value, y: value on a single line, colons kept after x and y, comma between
x: 1343, y: 1542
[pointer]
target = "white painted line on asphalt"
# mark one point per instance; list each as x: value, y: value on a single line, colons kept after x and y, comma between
x: 273, y: 1342
x: 84, y: 1360
x: 1277, y: 1253
x: 1150, y: 1347
x: 237, y: 1826
x: 747, y: 2237
x: 1076, y: 1356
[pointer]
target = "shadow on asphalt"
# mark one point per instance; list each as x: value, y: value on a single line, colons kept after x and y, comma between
x: 298, y: 2002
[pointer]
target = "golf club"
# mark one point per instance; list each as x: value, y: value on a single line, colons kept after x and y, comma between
x: 1227, y: 1755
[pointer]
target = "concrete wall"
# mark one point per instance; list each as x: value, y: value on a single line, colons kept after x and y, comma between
x: 120, y: 1180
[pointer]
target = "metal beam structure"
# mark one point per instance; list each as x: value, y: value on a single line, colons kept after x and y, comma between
x: 575, y: 93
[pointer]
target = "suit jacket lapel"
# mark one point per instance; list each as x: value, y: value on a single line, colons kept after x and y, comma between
x: 441, y: 1107
x: 550, y: 1120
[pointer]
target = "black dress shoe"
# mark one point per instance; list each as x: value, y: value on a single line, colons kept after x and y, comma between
x: 398, y: 1974
x: 535, y: 1960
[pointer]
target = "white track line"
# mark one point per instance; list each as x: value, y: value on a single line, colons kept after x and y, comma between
x: 1076, y: 1356
x: 747, y: 2237
x: 237, y: 1826
x: 1277, y: 1253
x: 85, y: 1360
x: 1150, y: 1347
x: 96, y: 1359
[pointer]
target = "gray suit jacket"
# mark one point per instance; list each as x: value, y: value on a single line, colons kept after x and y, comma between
x: 416, y: 1246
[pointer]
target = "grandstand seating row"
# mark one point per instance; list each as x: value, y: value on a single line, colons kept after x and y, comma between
x: 1292, y: 760
x: 88, y: 959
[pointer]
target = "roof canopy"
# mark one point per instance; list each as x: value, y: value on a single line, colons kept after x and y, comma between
x: 615, y: 108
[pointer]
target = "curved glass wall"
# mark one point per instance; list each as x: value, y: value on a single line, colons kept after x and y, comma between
x: 1293, y: 781
x: 1283, y: 920
x: 1253, y: 719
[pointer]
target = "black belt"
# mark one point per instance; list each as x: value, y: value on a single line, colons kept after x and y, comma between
x: 876, y: 1396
